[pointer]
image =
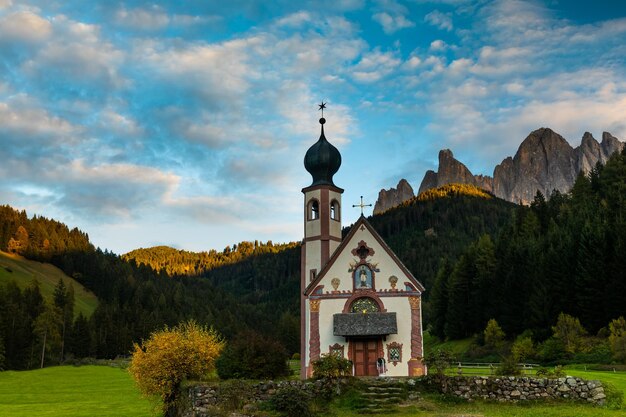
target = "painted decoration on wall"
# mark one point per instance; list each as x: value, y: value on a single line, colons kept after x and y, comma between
x: 364, y: 305
x: 393, y: 280
x: 362, y: 250
x: 335, y: 283
x: 362, y: 277
x: 394, y: 353
x: 336, y: 350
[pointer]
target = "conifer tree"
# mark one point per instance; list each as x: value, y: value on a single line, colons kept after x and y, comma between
x: 438, y: 303
x: 617, y: 339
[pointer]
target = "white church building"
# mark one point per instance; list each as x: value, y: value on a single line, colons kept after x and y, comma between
x: 358, y: 300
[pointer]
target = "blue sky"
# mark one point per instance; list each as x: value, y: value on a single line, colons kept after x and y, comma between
x: 186, y: 123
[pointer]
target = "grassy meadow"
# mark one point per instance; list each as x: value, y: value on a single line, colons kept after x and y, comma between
x: 23, y: 271
x: 106, y: 391
x: 68, y: 391
x: 435, y: 406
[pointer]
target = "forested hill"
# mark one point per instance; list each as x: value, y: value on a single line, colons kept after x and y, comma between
x: 438, y: 225
x: 566, y: 254
x: 133, y: 300
x: 182, y: 262
x: 422, y: 231
x: 249, y: 286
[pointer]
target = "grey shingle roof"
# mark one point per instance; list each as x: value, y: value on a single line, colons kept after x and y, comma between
x: 364, y: 324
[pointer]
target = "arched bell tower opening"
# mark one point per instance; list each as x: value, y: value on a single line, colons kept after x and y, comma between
x: 322, y: 228
x: 335, y: 210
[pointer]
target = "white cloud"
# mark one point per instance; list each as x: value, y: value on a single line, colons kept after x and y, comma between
x: 295, y: 19
x: 190, y: 20
x: 24, y: 26
x: 438, y: 45
x: 79, y: 62
x: 23, y: 121
x: 375, y: 65
x: 121, y: 124
x: 413, y: 62
x: 392, y: 24
x: 440, y: 20
x: 212, y: 71
x: 152, y: 18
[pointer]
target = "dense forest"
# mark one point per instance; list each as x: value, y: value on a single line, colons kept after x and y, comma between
x: 133, y: 299
x: 249, y: 286
x: 479, y: 258
x: 566, y: 255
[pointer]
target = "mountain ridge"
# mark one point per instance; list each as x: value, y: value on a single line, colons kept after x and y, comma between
x: 544, y: 162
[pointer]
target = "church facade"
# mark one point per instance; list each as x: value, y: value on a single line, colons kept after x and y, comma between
x: 358, y: 300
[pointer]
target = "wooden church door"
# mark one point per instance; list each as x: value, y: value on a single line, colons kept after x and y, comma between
x: 364, y: 354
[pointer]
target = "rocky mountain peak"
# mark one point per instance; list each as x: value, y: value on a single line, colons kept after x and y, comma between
x: 452, y: 171
x: 544, y: 162
x: 393, y: 196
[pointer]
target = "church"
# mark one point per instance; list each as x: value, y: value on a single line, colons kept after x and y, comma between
x: 358, y: 300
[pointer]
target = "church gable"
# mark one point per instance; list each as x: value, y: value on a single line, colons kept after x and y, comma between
x: 363, y: 261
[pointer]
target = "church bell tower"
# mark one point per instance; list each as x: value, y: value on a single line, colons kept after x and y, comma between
x: 322, y: 225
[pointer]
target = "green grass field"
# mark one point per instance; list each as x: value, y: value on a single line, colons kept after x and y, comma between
x: 68, y: 391
x: 456, y: 347
x: 433, y: 406
x: 23, y: 271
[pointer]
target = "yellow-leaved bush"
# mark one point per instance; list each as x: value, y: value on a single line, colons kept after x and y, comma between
x: 171, y: 355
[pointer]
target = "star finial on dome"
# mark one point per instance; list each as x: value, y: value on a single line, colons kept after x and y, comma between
x: 322, y: 107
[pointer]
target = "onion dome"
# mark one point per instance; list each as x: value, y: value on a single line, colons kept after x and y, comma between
x: 322, y: 160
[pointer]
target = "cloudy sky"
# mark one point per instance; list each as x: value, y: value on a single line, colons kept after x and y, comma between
x: 185, y: 123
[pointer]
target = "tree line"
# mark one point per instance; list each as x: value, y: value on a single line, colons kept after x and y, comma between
x: 251, y: 286
x: 565, y: 255
x: 134, y: 299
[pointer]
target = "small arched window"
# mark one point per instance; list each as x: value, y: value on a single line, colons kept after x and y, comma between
x: 334, y: 210
x: 314, y: 210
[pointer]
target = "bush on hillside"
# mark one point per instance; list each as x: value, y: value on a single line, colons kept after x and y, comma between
x: 438, y: 362
x: 331, y: 366
x: 494, y: 335
x: 253, y: 356
x: 557, y: 372
x: 570, y: 332
x: 161, y: 363
x: 523, y: 348
x: 552, y: 350
x: 291, y: 401
x: 617, y: 339
x: 509, y: 367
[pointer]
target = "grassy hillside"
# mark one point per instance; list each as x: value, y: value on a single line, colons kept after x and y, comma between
x: 23, y: 271
x: 457, y: 348
x: 72, y: 392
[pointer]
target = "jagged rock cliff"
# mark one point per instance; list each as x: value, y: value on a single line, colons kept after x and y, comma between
x: 393, y: 196
x: 544, y: 161
x: 452, y: 171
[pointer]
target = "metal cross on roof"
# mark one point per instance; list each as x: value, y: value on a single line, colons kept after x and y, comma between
x: 361, y: 205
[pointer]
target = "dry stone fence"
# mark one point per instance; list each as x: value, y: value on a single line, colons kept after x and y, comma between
x: 513, y: 389
x: 206, y: 397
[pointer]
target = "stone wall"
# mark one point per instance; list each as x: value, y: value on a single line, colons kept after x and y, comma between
x: 513, y: 389
x: 203, y: 397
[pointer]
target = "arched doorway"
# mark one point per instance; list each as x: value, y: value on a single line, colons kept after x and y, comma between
x: 365, y: 350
